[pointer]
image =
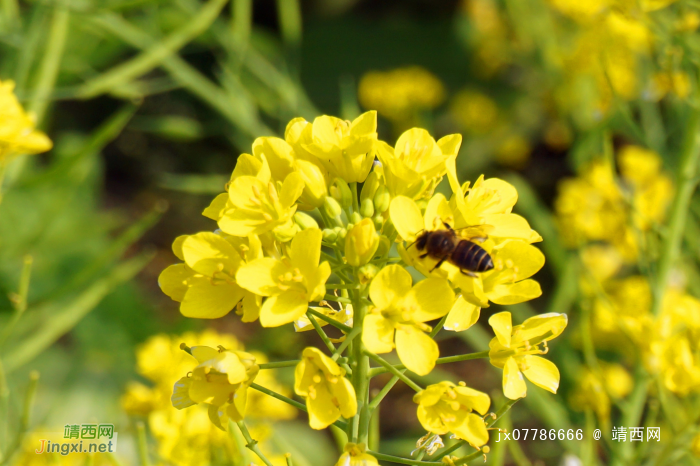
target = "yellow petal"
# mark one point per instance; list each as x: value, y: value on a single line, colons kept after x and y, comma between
x: 431, y: 420
x: 391, y: 284
x: 431, y: 298
x: 283, y: 309
x: 261, y: 276
x: 378, y: 334
x: 305, y: 251
x: 292, y: 188
x: 202, y: 391
x: 550, y: 325
x: 513, y: 382
x: 278, y: 153
x: 229, y: 363
x: 541, y: 372
x: 473, y: 430
x: 509, y: 226
x: 251, y: 307
x: 450, y: 144
x: 502, y: 324
x: 406, y: 217
x: 209, y: 254
x: 217, y: 207
x: 365, y: 123
x: 173, y: 281
x: 436, y: 212
x: 473, y: 399
x: 527, y: 259
x: 416, y: 350
x: 177, y: 246
x: 462, y: 315
x: 181, y: 396
x: 344, y: 392
x: 203, y: 353
x: 206, y: 301
x: 322, y: 410
x: 515, y: 292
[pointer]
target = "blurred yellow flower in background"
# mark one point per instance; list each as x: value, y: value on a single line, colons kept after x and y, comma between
x: 18, y: 134
x: 447, y: 407
x: 595, y: 389
x: 476, y: 112
x: 355, y: 455
x: 401, y: 93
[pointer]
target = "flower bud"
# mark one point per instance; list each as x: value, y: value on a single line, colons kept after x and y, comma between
x: 382, y: 199
x: 331, y: 207
x: 361, y: 243
x: 367, y: 272
x: 355, y: 218
x: 341, y: 192
x: 378, y: 221
x: 370, y: 186
x: 330, y: 235
x: 341, y: 233
x: 367, y: 208
x: 315, y: 189
x: 305, y: 220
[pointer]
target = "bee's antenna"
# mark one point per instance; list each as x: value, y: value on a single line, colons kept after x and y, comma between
x: 417, y: 238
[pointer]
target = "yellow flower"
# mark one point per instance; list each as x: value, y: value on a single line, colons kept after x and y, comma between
x: 399, y: 94
x: 361, y: 243
x: 475, y: 112
x: 205, y: 283
x: 290, y: 282
x: 263, y: 406
x: 328, y: 393
x: 257, y: 207
x: 417, y: 163
x: 595, y: 391
x: 344, y: 315
x: 345, y: 149
x: 355, y: 456
x: 515, y: 260
x: 399, y: 315
x: 515, y: 348
x: 221, y: 380
x: 18, y: 134
x: 139, y: 399
x: 446, y: 407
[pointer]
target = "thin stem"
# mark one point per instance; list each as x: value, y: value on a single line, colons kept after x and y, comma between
x: 26, y: 416
x: 289, y: 401
x: 288, y: 457
x: 19, y: 300
x: 279, y: 364
x: 462, y: 357
x: 360, y: 377
x: 330, y: 320
x: 252, y: 444
x: 384, y: 391
x: 394, y: 371
x: 355, y: 205
x: 341, y: 286
x: 399, y: 460
x: 327, y: 341
x: 348, y: 339
x: 142, y: 444
x: 330, y: 297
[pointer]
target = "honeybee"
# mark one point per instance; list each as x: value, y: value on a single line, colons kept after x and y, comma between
x: 446, y: 245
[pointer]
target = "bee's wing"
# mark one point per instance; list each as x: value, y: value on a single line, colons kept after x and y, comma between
x: 475, y: 232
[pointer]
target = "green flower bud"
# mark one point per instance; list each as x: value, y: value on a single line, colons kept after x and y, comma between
x: 378, y: 221
x: 342, y: 233
x: 305, y: 220
x: 367, y: 272
x: 361, y: 243
x: 341, y: 192
x: 367, y: 208
x: 355, y: 218
x: 331, y: 207
x: 370, y: 187
x: 382, y: 199
x: 329, y: 235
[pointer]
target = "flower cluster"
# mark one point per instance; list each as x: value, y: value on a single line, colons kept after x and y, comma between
x: 323, y: 227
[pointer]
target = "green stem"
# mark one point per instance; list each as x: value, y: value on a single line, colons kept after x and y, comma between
x: 252, y: 444
x: 19, y: 300
x: 394, y: 371
x: 279, y: 364
x: 327, y: 341
x: 384, y: 391
x: 288, y: 457
x: 289, y: 401
x: 348, y: 339
x: 330, y: 320
x: 360, y: 377
x: 685, y: 187
x: 142, y: 444
x: 399, y: 460
x: 463, y: 357
x: 355, y: 205
x: 338, y: 299
x: 26, y: 416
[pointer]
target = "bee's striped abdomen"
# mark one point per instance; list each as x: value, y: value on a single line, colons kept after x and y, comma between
x: 472, y: 257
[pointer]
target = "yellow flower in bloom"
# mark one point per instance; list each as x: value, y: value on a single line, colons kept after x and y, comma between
x: 139, y: 399
x: 515, y: 260
x: 290, y: 282
x: 399, y: 94
x: 345, y: 149
x: 205, y: 283
x: 399, y: 315
x: 18, y: 134
x: 355, y: 456
x: 475, y: 112
x: 515, y: 348
x: 361, y: 243
x: 446, y: 407
x: 417, y: 163
x: 328, y: 393
x: 344, y: 315
x: 221, y: 380
x: 263, y: 406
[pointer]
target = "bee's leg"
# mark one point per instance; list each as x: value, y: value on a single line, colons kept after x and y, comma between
x: 446, y: 225
x: 438, y: 264
x: 468, y: 273
x: 423, y: 256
